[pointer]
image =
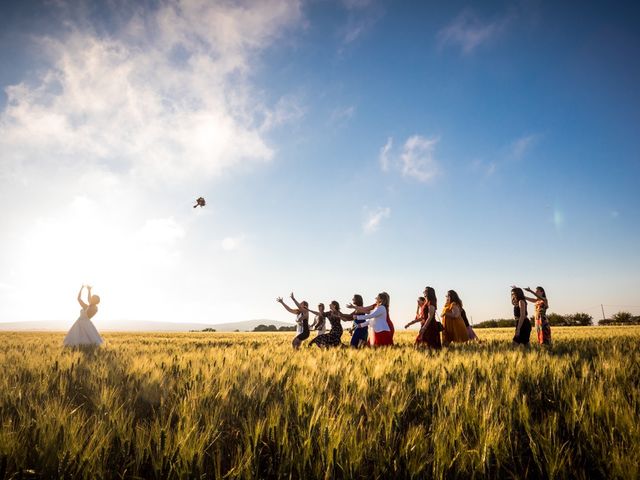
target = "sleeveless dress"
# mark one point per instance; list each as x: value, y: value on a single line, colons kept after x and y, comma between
x: 543, y: 329
x: 454, y: 328
x: 429, y: 334
x: 331, y: 339
x: 82, y: 332
x: 525, y: 330
x: 302, y: 321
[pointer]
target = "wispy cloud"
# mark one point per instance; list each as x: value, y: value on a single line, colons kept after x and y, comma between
x: 342, y: 114
x: 165, y: 95
x: 374, y: 218
x: 416, y: 160
x: 362, y: 17
x: 385, y: 161
x: 232, y: 243
x: 522, y: 146
x: 467, y: 31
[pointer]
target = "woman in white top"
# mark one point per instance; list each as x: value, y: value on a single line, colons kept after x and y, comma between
x: 83, y: 332
x: 378, y: 320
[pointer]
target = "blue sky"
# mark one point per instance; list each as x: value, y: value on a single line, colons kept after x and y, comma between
x: 342, y: 147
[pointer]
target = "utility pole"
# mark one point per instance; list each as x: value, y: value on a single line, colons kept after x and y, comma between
x: 602, y: 307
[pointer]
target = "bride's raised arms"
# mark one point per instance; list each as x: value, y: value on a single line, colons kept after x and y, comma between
x: 82, y: 304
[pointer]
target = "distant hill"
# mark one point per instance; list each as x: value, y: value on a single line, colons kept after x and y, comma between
x: 143, y: 326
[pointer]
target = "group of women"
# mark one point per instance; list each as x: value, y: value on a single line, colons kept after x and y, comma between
x: 454, y: 326
x: 373, y: 317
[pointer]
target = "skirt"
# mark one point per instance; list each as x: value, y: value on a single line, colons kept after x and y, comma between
x: 543, y: 329
x: 525, y: 333
x: 382, y: 339
x: 359, y: 336
x: 302, y: 336
x: 454, y: 331
x: 429, y: 336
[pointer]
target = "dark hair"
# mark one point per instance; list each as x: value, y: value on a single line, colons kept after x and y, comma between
x: 518, y: 293
x: 454, y: 298
x: 321, y: 305
x: 431, y: 297
x: 384, y: 296
x: 304, y: 303
x: 357, y: 299
x: 544, y: 294
x: 336, y: 304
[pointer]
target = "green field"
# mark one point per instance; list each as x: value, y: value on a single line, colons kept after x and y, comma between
x: 246, y: 405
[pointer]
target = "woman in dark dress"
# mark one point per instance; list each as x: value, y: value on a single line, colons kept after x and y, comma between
x: 331, y: 339
x: 523, y: 325
x: 429, y: 332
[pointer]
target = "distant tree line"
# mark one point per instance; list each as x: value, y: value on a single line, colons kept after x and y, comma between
x: 621, y: 318
x: 570, y: 320
x: 555, y: 320
x: 273, y: 328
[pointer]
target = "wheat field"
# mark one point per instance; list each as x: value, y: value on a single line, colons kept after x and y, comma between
x: 245, y: 405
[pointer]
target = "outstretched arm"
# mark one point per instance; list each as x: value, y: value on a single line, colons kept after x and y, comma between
x: 362, y: 310
x: 82, y: 304
x: 538, y: 297
x: 290, y: 310
x: 88, y: 293
x: 301, y: 308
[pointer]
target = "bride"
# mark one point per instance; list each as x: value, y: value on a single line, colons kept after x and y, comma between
x: 83, y: 332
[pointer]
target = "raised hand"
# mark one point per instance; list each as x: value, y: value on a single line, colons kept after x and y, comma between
x: 350, y: 305
x: 279, y: 299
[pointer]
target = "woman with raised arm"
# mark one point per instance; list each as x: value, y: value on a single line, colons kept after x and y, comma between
x: 378, y: 319
x: 454, y: 329
x: 83, y: 331
x: 419, y: 318
x: 543, y: 329
x: 331, y: 339
x: 302, y: 319
x: 319, y: 322
x: 523, y: 325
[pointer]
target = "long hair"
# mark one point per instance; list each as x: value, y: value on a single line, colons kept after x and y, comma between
x: 335, y: 304
x: 544, y: 294
x: 431, y: 297
x: 357, y: 300
x: 384, y: 298
x: 454, y: 298
x: 518, y: 294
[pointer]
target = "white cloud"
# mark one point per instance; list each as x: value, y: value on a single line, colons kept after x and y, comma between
x: 468, y: 32
x: 374, y: 219
x: 362, y: 17
x: 416, y: 161
x: 385, y: 161
x: 232, y: 243
x: 166, y: 96
x: 417, y: 158
x: 521, y: 146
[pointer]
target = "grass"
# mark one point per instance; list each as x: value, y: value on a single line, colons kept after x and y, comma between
x: 247, y: 406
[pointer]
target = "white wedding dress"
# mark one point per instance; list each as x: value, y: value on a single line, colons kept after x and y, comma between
x: 83, y: 332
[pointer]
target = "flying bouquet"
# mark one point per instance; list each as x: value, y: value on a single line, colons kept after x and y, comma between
x: 200, y: 202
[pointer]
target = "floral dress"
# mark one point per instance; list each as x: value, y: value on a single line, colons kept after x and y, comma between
x: 543, y: 328
x: 331, y: 339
